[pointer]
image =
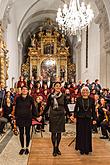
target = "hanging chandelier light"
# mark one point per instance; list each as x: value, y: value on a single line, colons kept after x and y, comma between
x: 74, y: 18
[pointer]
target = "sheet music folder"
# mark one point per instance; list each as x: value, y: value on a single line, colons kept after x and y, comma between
x: 71, y: 107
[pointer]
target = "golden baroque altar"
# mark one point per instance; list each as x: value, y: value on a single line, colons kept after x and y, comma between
x: 48, y: 54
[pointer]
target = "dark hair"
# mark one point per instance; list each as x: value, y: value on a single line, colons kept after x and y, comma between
x: 57, y: 82
x: 100, y: 99
x: 96, y: 80
x: 24, y: 87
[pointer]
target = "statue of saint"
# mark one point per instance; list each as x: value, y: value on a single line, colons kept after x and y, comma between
x: 63, y: 41
x: 34, y: 41
x: 62, y: 72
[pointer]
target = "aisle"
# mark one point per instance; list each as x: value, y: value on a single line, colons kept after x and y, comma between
x: 10, y: 152
x: 41, y: 153
x: 41, y: 150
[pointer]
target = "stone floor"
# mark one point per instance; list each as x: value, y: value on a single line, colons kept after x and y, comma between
x: 10, y: 156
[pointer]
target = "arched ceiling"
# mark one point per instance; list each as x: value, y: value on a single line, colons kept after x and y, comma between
x: 33, y: 12
x: 30, y: 14
x: 36, y: 13
x: 27, y: 9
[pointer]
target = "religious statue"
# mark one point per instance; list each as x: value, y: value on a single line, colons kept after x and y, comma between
x: 62, y: 72
x: 34, y: 41
x: 63, y: 41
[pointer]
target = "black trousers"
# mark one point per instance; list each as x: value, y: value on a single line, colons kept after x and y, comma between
x: 104, y: 128
x: 21, y: 135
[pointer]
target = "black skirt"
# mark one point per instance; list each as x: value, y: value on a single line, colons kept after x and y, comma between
x: 84, y: 135
x: 57, y: 121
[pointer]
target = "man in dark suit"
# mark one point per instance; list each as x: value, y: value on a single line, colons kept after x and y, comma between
x: 49, y: 83
x: 97, y: 87
x: 41, y: 81
x: 31, y: 82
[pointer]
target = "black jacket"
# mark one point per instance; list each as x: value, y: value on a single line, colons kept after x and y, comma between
x: 25, y: 110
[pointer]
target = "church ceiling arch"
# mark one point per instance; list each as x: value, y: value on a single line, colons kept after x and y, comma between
x: 36, y: 19
x: 24, y: 10
x: 32, y: 19
x: 43, y: 7
x: 33, y: 22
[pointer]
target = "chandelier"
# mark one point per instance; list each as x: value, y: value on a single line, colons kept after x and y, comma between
x: 75, y: 17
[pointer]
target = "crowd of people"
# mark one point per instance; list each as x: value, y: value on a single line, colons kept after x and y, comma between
x: 47, y: 100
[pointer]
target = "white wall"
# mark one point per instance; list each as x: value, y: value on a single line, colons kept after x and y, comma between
x: 12, y: 46
x: 93, y: 70
x: 94, y: 52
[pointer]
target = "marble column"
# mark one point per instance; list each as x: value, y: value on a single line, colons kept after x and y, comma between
x: 103, y: 21
x: 103, y: 60
x: 20, y: 46
x: 107, y: 50
x: 78, y: 61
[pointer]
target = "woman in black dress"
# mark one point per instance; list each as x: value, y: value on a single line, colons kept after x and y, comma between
x: 85, y: 115
x: 57, y: 104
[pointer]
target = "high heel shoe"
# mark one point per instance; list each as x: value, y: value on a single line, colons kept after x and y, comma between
x: 58, y: 151
x: 81, y: 152
x: 54, y: 152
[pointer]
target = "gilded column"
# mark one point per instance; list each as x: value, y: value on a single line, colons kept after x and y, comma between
x: 65, y: 70
x: 30, y: 67
x: 3, y: 64
x: 58, y: 68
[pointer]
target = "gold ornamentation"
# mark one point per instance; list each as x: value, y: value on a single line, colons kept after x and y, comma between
x: 25, y: 69
x: 50, y: 44
x: 4, y: 61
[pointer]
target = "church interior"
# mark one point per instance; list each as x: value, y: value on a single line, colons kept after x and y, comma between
x: 39, y: 47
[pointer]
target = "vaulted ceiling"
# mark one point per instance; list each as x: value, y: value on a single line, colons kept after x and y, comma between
x: 29, y: 14
x: 34, y: 14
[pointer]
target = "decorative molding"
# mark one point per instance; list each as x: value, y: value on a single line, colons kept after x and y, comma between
x: 78, y: 45
x: 107, y: 42
x: 6, y: 17
x: 102, y: 18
